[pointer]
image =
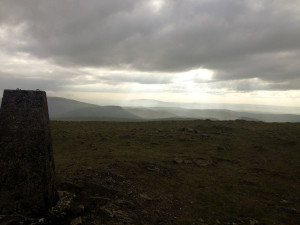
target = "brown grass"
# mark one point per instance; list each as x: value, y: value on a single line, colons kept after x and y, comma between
x: 252, y: 173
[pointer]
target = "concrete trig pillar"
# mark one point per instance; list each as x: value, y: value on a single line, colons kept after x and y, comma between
x: 27, y: 178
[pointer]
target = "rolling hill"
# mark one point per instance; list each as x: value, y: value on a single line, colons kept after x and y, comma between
x: 72, y: 110
x: 67, y: 109
x: 213, y: 114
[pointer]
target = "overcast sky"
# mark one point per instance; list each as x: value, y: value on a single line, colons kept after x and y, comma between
x: 221, y: 51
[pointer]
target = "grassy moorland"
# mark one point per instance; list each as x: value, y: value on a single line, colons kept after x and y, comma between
x: 181, y: 172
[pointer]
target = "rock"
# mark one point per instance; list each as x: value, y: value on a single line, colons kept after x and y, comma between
x: 202, y: 162
x: 41, y: 221
x: 125, y: 203
x: 253, y: 222
x: 115, y: 214
x: 201, y: 220
x: 62, y: 208
x: 76, y: 221
x: 107, y: 212
x: 26, y: 157
x: 284, y: 201
x: 61, y: 194
x: 187, y: 161
x: 19, y: 220
x: 153, y: 168
x: 204, y: 136
x: 189, y: 130
x: 145, y: 197
x: 177, y: 161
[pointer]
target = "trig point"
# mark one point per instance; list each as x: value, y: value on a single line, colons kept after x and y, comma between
x: 27, y: 179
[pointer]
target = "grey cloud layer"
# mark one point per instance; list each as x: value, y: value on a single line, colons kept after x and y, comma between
x: 238, y: 39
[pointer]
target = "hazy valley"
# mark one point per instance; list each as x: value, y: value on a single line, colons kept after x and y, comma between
x: 72, y: 110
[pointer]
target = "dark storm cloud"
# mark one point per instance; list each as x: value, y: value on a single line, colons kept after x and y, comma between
x: 238, y: 39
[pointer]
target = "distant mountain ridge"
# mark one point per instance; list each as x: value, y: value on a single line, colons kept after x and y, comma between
x: 214, y: 114
x: 67, y: 109
x: 72, y: 110
x: 254, y: 108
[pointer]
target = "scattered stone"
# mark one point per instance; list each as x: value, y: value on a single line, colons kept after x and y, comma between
x: 42, y: 220
x: 204, y: 136
x: 284, y: 201
x: 201, y: 220
x: 189, y: 130
x: 145, y: 197
x: 61, y: 209
x: 76, y: 221
x: 107, y: 212
x: 153, y: 168
x: 121, y: 215
x: 253, y: 222
x: 177, y: 161
x: 202, y: 162
x: 113, y: 213
x: 198, y: 162
x: 188, y: 161
x: 127, y: 204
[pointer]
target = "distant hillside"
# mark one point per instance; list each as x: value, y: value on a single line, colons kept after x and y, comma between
x: 72, y: 110
x: 254, y: 108
x: 216, y: 114
x: 66, y: 109
x: 99, y: 113
x: 248, y: 119
x: 61, y: 106
x: 148, y: 113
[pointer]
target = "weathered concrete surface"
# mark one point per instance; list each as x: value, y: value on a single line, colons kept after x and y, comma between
x: 27, y: 178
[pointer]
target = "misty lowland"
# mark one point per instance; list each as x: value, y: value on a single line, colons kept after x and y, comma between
x: 63, y: 109
x: 163, y: 165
